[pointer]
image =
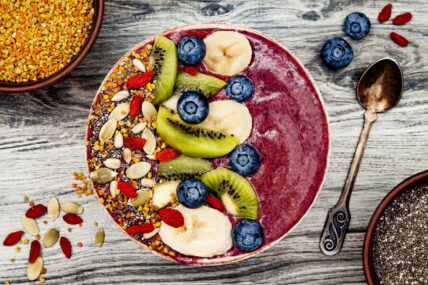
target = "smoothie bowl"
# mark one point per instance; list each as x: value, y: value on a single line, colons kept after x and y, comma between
x: 207, y: 143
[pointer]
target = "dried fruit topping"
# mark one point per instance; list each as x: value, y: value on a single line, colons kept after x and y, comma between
x: 400, y: 40
x: 34, y: 251
x: 385, y: 14
x: 134, y: 143
x: 171, y: 217
x: 192, y: 70
x: 197, y: 33
x: 72, y: 219
x: 36, y: 211
x: 215, y: 203
x: 167, y: 154
x: 140, y: 80
x: 140, y: 229
x: 402, y: 19
x: 13, y: 238
x: 65, y: 246
x: 127, y: 189
x: 135, y: 108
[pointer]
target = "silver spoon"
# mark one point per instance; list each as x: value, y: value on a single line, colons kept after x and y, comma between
x: 378, y: 90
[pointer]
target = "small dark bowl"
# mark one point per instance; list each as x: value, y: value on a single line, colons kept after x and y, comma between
x: 407, y: 184
x: 11, y: 87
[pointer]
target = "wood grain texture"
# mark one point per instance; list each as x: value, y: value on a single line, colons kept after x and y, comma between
x: 41, y: 143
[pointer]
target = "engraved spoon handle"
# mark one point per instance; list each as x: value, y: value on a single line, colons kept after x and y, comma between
x: 338, y: 217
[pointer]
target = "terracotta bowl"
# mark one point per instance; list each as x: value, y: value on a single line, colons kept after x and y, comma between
x: 31, y: 86
x: 369, y: 270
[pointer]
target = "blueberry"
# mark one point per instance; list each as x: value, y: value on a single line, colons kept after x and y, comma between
x: 244, y: 160
x: 248, y: 235
x: 357, y: 25
x: 191, y: 50
x: 192, y: 107
x: 192, y: 193
x: 239, y: 88
x: 337, y: 53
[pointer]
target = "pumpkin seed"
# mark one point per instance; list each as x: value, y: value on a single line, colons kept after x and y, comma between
x: 139, y: 127
x: 148, y: 110
x: 72, y: 208
x: 143, y: 196
x: 35, y: 269
x: 147, y: 182
x: 113, y: 188
x: 99, y: 237
x: 119, y: 96
x: 50, y: 238
x: 102, y: 175
x: 150, y: 145
x: 138, y: 170
x: 120, y: 112
x: 30, y: 225
x: 138, y: 64
x: 53, y: 208
x: 112, y: 163
x: 151, y: 234
x: 107, y: 130
x: 127, y: 155
x: 118, y: 140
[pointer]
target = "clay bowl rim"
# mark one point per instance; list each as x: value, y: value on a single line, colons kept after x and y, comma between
x: 405, y: 185
x: 31, y: 86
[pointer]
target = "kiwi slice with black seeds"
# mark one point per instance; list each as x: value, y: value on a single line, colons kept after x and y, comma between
x: 183, y: 167
x: 192, y: 140
x: 206, y: 84
x: 165, y: 61
x: 236, y: 192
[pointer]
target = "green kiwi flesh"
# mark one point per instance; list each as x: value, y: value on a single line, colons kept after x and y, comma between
x: 235, y: 192
x: 191, y: 140
x: 164, y: 58
x: 206, y: 84
x: 183, y: 167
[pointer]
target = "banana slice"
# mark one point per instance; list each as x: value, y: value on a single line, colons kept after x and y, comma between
x: 227, y: 53
x: 206, y: 232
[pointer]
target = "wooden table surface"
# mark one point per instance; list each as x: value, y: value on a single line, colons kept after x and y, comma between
x: 42, y: 134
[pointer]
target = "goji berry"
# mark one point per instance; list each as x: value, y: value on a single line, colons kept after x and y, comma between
x: 13, y: 238
x: 167, y: 154
x: 385, y: 14
x: 34, y: 251
x: 215, y: 203
x: 171, y: 217
x: 72, y: 219
x: 197, y: 33
x: 140, y: 80
x: 134, y: 143
x: 400, y: 40
x: 140, y: 229
x: 402, y: 19
x: 65, y: 246
x: 36, y: 211
x: 192, y: 70
x: 135, y: 107
x: 127, y: 189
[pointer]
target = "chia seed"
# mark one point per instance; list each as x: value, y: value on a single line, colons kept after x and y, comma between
x: 400, y: 242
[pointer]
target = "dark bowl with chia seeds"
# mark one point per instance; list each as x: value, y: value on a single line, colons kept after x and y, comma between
x: 396, y: 242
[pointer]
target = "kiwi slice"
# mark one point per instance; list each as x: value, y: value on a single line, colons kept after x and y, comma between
x: 235, y: 192
x: 206, y: 84
x: 191, y: 140
x: 164, y: 59
x: 183, y: 167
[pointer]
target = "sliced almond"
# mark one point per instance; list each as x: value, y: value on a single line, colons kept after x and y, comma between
x: 139, y: 127
x: 147, y: 182
x: 139, y: 65
x: 53, y: 208
x: 102, y: 175
x: 113, y: 188
x: 72, y: 208
x: 120, y: 111
x: 150, y: 145
x: 138, y: 170
x: 148, y: 110
x: 143, y: 196
x: 50, y: 238
x: 30, y: 225
x: 107, y: 130
x: 118, y: 140
x: 127, y: 155
x: 119, y: 96
x: 35, y: 269
x: 112, y: 163
x: 99, y: 237
x: 151, y: 234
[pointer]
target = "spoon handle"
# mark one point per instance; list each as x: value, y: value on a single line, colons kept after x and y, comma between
x: 338, y: 217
